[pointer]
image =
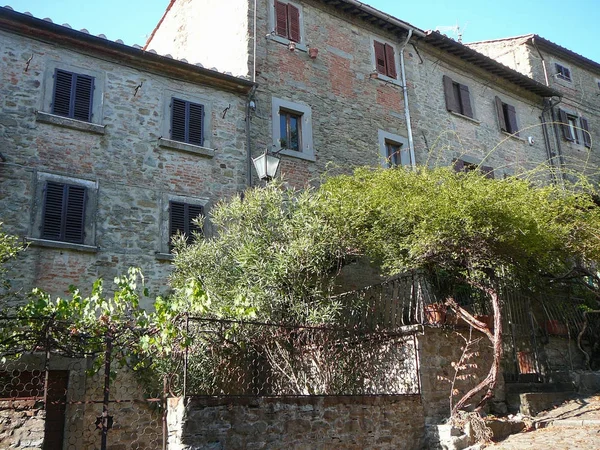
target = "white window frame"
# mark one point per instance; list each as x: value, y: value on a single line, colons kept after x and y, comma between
x: 272, y: 25
x: 381, y: 76
x: 306, y: 139
x: 386, y: 137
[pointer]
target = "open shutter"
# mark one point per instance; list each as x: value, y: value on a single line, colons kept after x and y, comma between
x: 75, y: 214
x: 195, y: 124
x: 390, y: 59
x: 294, y: 22
x: 380, y: 57
x: 587, y: 138
x: 52, y: 215
x: 451, y: 101
x: 178, y: 120
x: 564, y: 119
x: 465, y: 101
x: 281, y: 18
x: 83, y: 96
x: 500, y: 113
x: 511, y: 116
x: 61, y: 102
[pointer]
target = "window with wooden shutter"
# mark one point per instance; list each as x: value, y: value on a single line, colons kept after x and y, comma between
x: 385, y: 60
x: 73, y: 95
x: 563, y: 72
x: 187, y: 122
x: 63, y: 216
x: 507, y: 117
x: 457, y: 97
x: 464, y: 166
x: 587, y: 138
x: 287, y: 21
x: 181, y: 220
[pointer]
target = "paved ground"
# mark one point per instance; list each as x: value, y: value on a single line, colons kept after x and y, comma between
x: 575, y: 425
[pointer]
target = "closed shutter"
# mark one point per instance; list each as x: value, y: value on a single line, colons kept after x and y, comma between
x: 63, y: 216
x: 281, y: 17
x: 564, y: 119
x: 465, y: 101
x: 294, y: 22
x: 178, y: 120
x: 587, y: 138
x: 487, y: 171
x: 83, y: 93
x: 390, y: 59
x: 380, y: 57
x: 193, y: 212
x: 459, y: 165
x: 511, y: 116
x: 195, y: 124
x: 500, y: 113
x: 61, y: 102
x: 451, y: 101
x: 181, y: 219
x: 73, y: 95
x: 187, y: 122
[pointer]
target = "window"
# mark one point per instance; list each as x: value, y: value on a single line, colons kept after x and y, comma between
x: 507, y: 117
x: 385, y: 60
x: 287, y: 21
x: 575, y: 129
x: 393, y: 150
x: 292, y: 129
x: 63, y: 216
x: 290, y: 125
x: 182, y: 220
x: 187, y: 122
x: 458, y: 98
x: 562, y: 72
x: 73, y: 95
x: 461, y: 165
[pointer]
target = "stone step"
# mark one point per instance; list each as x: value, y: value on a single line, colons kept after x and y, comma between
x: 531, y: 403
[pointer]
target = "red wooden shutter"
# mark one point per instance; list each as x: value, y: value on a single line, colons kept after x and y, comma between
x: 500, y: 113
x: 564, y: 119
x: 465, y: 101
x: 380, y: 57
x: 451, y: 101
x: 281, y: 17
x: 511, y: 115
x: 294, y: 23
x: 587, y: 138
x: 390, y: 60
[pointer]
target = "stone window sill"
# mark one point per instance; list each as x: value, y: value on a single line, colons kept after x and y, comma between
x: 470, y: 119
x: 67, y: 122
x: 188, y: 148
x: 299, y: 155
x: 285, y: 41
x: 385, y: 78
x: 63, y: 245
x: 164, y: 256
x: 514, y: 136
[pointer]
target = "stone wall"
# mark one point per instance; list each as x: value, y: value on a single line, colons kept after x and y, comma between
x: 21, y: 424
x: 131, y: 170
x: 296, y: 423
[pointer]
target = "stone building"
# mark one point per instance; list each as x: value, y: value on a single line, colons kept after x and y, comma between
x: 108, y: 151
x: 576, y: 114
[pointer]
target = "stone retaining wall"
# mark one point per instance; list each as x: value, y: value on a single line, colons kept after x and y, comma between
x: 351, y: 422
x: 21, y: 424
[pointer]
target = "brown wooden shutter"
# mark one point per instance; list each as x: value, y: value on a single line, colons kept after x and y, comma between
x: 500, y: 113
x: 52, y: 213
x: 564, y: 119
x: 451, y: 101
x: 487, y: 171
x: 390, y: 60
x: 178, y: 120
x: 511, y: 115
x: 587, y: 138
x: 195, y: 124
x: 61, y: 101
x: 465, y: 101
x: 83, y: 94
x: 74, y: 225
x: 181, y: 220
x: 192, y: 214
x: 281, y: 18
x: 63, y: 216
x: 294, y: 23
x: 380, y: 57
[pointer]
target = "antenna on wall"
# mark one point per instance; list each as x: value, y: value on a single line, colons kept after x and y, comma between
x: 456, y: 29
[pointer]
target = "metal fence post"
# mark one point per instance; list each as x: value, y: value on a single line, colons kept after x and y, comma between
x: 186, y: 355
x: 105, y: 417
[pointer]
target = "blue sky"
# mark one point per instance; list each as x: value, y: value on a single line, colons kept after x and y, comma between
x: 571, y: 24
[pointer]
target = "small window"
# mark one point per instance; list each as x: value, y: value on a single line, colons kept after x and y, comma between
x: 393, y: 150
x: 393, y: 155
x: 458, y: 98
x: 385, y: 60
x: 187, y: 122
x: 465, y: 166
x: 562, y: 72
x: 507, y: 117
x: 63, y: 216
x: 575, y: 129
x: 287, y: 21
x: 182, y: 218
x: 73, y: 95
x: 290, y: 125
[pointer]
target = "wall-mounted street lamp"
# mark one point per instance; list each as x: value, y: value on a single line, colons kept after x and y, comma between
x: 266, y: 165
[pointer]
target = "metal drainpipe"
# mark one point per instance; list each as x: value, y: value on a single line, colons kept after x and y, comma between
x: 543, y: 61
x: 249, y: 164
x: 411, y: 144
